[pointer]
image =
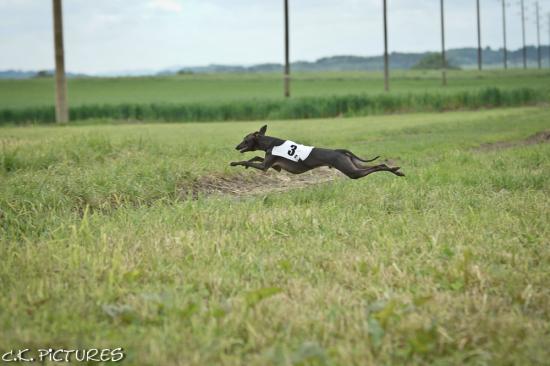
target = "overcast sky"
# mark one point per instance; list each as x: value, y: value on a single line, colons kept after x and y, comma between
x: 115, y: 35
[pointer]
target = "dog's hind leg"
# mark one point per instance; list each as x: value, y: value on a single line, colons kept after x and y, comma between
x: 360, y: 173
x: 355, y: 157
x: 348, y: 167
x: 380, y: 167
x: 359, y: 163
x: 355, y: 160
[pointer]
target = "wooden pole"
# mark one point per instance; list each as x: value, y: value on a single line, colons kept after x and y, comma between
x: 539, y: 54
x: 61, y: 110
x: 287, y: 57
x: 523, y: 34
x: 479, y: 55
x: 504, y: 34
x: 443, y: 58
x: 386, y: 58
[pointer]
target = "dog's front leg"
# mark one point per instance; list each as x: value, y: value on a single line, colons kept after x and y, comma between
x: 256, y: 158
x: 247, y: 164
x: 259, y: 166
x: 264, y: 165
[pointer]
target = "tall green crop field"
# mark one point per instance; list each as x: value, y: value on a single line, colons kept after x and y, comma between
x: 238, y: 97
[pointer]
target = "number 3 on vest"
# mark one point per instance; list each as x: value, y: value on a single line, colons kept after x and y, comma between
x: 292, y: 150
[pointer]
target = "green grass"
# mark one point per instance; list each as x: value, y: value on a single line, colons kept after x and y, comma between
x: 240, y: 97
x: 450, y: 265
x: 215, y: 88
x: 296, y: 108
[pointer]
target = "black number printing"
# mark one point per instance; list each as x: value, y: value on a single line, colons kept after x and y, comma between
x: 292, y: 150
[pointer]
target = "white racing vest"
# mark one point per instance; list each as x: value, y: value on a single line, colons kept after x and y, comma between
x: 292, y: 151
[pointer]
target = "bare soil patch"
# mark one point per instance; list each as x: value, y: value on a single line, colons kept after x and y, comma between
x: 538, y: 138
x: 246, y: 184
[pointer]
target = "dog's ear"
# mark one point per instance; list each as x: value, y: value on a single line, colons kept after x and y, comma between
x: 263, y: 129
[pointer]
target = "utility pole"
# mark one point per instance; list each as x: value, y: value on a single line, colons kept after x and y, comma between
x: 479, y: 56
x: 443, y: 58
x: 523, y: 34
x: 287, y: 58
x: 504, y: 34
x: 61, y: 111
x: 386, y: 60
x: 539, y: 56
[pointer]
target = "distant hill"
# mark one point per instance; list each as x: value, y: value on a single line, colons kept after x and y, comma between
x: 16, y: 74
x: 19, y: 74
x: 464, y: 58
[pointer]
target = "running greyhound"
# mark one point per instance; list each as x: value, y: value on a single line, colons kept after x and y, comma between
x: 297, y: 159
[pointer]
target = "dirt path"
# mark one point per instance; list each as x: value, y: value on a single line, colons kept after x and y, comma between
x: 245, y: 184
x: 538, y: 138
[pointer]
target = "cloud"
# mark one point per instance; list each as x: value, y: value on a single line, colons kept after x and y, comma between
x: 167, y: 5
x: 101, y: 35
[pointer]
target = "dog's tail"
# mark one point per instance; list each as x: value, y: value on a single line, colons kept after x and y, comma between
x: 349, y: 153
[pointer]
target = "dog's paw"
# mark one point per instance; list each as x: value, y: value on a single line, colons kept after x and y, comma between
x: 234, y: 163
x: 397, y: 172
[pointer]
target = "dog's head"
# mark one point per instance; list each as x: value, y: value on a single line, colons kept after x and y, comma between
x: 250, y: 142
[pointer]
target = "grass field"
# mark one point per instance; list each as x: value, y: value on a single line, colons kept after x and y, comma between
x: 103, y: 244
x: 247, y: 97
x: 216, y: 88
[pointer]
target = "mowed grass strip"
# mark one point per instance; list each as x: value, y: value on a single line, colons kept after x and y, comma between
x: 448, y: 265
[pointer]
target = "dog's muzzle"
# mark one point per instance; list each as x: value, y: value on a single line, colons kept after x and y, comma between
x: 241, y: 148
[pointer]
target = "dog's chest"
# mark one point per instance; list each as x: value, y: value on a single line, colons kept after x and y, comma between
x: 292, y: 151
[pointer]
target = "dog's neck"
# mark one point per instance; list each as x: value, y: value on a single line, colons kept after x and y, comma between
x: 266, y: 143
